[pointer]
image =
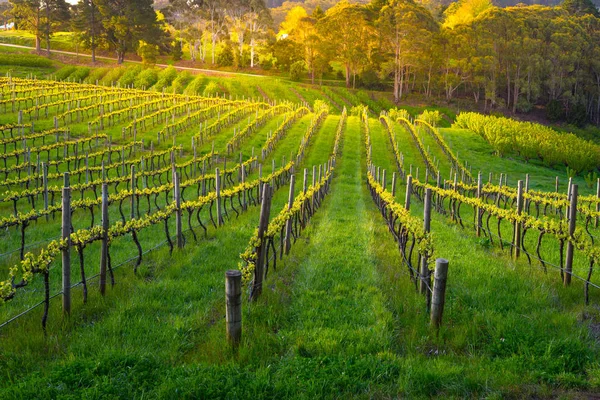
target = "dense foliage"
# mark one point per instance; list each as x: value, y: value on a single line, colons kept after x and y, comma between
x: 533, y: 141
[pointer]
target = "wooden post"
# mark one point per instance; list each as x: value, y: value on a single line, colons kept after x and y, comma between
x: 104, y: 249
x: 66, y: 252
x: 263, y: 225
x: 517, y: 243
x: 133, y: 187
x: 218, y: 190
x: 45, y: 183
x: 288, y: 225
x: 425, y: 282
x: 383, y: 179
x: 556, y: 185
x: 394, y: 184
x: 526, y: 205
x: 243, y: 175
x: 304, y: 186
x: 439, y: 292
x: 408, y: 192
x: 178, y: 221
x: 572, y: 224
x: 477, y: 209
x: 233, y: 306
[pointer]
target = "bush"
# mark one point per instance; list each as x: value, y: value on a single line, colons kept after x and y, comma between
x: 212, y: 89
x: 165, y: 78
x: 113, y: 76
x: 555, y: 110
x: 531, y: 140
x: 431, y: 117
x: 577, y: 115
x: 129, y: 76
x: 25, y: 60
x: 176, y: 51
x: 63, y: 73
x: 370, y: 79
x: 182, y: 80
x: 524, y: 106
x: 146, y: 79
x: 148, y: 52
x: 96, y: 74
x: 79, y: 74
x: 225, y: 55
x: 297, y: 70
x: 195, y: 87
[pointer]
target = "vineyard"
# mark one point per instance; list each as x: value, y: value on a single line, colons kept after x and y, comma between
x: 365, y: 252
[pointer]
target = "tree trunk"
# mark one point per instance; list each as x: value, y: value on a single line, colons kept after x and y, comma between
x: 252, y: 53
x: 38, y: 44
x: 93, y: 31
x: 347, y: 75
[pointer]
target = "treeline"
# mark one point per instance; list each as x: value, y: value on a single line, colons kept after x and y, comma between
x: 509, y: 58
x: 513, y: 58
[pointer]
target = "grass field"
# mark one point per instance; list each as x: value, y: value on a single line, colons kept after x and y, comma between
x: 339, y: 317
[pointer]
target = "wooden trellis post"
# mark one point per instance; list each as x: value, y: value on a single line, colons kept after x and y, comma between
x: 263, y: 225
x: 104, y: 249
x: 572, y: 225
x: 66, y: 251
x: 288, y: 226
x: 233, y: 306
x: 517, y: 243
x: 439, y: 292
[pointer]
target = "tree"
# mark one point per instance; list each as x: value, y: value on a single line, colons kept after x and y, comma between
x: 40, y: 17
x: 581, y: 7
x: 86, y: 21
x: 127, y: 22
x: 403, y: 27
x: 348, y: 43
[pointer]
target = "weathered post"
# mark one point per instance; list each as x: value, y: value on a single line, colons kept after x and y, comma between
x: 133, y: 188
x: 394, y: 184
x: 178, y: 221
x: 425, y: 283
x: 218, y: 191
x: 263, y: 225
x: 477, y: 209
x: 233, y: 306
x: 104, y: 249
x: 66, y: 251
x: 288, y: 225
x: 439, y: 292
x: 408, y: 192
x: 45, y: 183
x: 517, y: 243
x: 572, y: 224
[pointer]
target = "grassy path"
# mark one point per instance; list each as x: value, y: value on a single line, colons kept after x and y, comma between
x: 336, y: 305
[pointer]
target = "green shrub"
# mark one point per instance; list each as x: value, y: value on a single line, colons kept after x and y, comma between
x: 96, y: 74
x: 79, y: 74
x: 431, y: 117
x: 182, y: 80
x: 195, y: 87
x: 165, y: 78
x: 130, y: 75
x: 148, y: 52
x: 63, y: 73
x: 225, y: 55
x: 212, y: 89
x: 297, y: 70
x: 25, y: 60
x: 146, y: 79
x: 112, y: 77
